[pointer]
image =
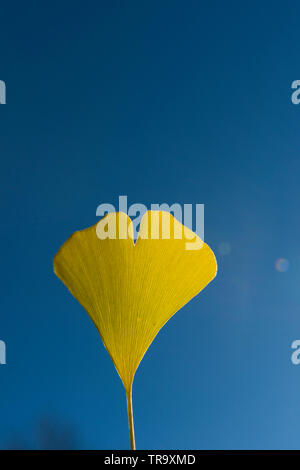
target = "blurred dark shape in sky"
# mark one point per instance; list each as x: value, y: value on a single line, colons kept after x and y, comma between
x: 48, y: 434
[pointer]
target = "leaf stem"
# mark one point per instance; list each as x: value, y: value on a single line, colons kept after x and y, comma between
x: 130, y: 417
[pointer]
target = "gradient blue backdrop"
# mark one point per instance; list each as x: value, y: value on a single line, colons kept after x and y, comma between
x: 163, y: 101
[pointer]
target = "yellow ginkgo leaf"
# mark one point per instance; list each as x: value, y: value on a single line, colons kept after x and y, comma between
x: 130, y: 290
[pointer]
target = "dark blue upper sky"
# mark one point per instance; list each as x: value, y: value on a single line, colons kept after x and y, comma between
x: 163, y: 101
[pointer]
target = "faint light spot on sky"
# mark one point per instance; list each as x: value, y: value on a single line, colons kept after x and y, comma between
x: 282, y: 265
x: 224, y: 248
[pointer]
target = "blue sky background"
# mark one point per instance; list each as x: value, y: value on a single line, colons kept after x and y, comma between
x: 164, y: 101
